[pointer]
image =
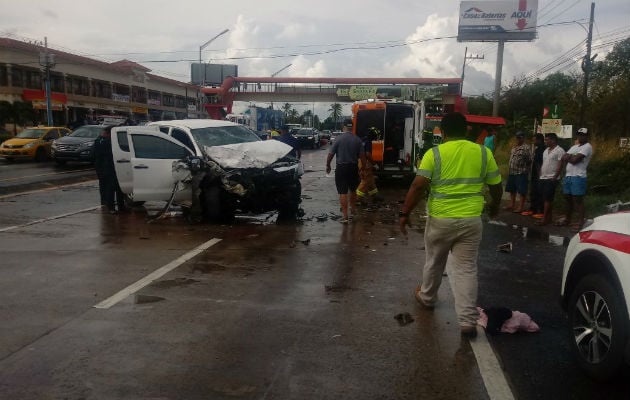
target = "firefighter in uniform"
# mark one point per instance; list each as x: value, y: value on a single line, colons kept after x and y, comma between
x: 456, y: 172
x: 367, y: 191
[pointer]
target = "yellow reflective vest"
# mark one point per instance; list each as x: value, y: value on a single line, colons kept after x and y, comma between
x: 458, y: 170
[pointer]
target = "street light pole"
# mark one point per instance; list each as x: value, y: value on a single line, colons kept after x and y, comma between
x: 203, y: 46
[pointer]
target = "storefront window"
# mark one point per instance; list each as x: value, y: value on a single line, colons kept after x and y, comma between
x: 33, y: 79
x: 4, y: 77
x: 17, y: 77
x: 168, y: 100
x: 56, y: 83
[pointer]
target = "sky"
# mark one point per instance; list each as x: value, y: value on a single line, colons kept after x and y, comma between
x: 324, y: 38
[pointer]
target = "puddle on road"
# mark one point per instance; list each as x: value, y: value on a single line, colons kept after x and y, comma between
x: 336, y: 288
x: 537, y: 234
x: 173, y: 283
x: 145, y: 299
x: 531, y: 233
x: 207, y: 267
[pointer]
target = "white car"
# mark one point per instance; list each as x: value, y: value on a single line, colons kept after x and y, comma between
x: 596, y: 294
x: 212, y: 168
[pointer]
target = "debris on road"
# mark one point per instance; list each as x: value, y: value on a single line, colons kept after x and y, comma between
x: 403, y: 318
x: 505, y: 247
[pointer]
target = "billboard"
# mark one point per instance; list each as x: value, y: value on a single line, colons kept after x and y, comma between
x: 497, y: 20
x: 211, y: 74
x: 408, y: 92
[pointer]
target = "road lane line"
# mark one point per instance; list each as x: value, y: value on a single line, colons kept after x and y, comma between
x: 491, y: 372
x: 17, y: 178
x: 158, y: 273
x: 37, y: 221
x: 489, y: 368
x: 48, y: 189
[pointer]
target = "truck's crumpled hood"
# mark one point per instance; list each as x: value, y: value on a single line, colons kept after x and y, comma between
x: 248, y: 155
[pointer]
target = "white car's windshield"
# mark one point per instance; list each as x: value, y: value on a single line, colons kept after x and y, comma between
x: 220, y: 135
x: 31, y: 134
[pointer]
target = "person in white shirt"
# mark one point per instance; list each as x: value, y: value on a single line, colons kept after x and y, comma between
x: 549, y: 175
x: 574, y: 183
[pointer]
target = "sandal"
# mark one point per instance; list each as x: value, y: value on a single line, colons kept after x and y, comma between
x: 576, y: 228
x: 561, y: 222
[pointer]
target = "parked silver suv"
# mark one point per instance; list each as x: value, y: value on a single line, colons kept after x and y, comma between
x: 596, y: 294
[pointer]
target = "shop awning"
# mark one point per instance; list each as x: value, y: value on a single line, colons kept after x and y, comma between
x: 483, y: 119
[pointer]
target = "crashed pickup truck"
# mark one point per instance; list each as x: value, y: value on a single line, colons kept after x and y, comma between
x: 213, y: 169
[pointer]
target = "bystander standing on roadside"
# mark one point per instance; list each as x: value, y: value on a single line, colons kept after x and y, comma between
x: 549, y: 175
x: 576, y: 160
x: 286, y: 138
x: 535, y: 197
x: 456, y: 172
x: 518, y: 174
x: 110, y: 192
x: 490, y: 141
x: 348, y: 149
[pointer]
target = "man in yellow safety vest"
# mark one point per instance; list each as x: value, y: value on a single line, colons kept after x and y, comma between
x: 455, y: 171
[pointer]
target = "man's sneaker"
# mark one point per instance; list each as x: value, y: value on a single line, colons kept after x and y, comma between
x: 423, y: 303
x: 469, y: 331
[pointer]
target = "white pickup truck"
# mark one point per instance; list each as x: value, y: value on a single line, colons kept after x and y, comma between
x: 214, y: 169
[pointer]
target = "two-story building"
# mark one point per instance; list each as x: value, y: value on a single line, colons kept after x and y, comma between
x: 85, y: 89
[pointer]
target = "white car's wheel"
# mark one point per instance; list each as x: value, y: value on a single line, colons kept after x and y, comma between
x: 599, y: 326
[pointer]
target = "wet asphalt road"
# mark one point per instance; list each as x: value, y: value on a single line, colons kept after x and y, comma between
x: 302, y: 310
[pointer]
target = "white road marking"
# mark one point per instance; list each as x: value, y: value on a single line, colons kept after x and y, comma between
x: 491, y: 372
x: 134, y: 287
x: 86, y: 183
x: 17, y: 178
x: 37, y: 221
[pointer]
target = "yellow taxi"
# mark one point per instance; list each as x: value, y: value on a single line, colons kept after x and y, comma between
x: 32, y: 143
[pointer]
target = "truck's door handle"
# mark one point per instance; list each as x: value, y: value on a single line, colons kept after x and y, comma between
x: 141, y: 167
x: 123, y: 161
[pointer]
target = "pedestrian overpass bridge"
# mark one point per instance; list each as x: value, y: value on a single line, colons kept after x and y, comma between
x: 219, y: 99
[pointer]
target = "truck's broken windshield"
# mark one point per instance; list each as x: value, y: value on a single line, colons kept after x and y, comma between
x: 221, y: 135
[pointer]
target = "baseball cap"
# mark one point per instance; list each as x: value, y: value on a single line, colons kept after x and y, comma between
x: 583, y: 131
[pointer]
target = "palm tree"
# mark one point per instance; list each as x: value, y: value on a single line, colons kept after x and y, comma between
x: 335, y: 113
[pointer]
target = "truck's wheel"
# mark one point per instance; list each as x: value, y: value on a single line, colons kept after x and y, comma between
x: 290, y: 203
x: 215, y: 205
x: 40, y: 155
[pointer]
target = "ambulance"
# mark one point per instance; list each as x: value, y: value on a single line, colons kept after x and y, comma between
x: 399, y: 145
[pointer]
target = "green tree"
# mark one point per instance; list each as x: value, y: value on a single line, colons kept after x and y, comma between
x: 335, y: 113
x: 609, y: 94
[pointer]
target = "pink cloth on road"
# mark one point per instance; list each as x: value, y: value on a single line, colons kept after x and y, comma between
x: 519, y: 322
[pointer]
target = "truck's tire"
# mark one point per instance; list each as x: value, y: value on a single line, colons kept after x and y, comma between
x: 216, y: 208
x: 290, y: 203
x: 40, y: 155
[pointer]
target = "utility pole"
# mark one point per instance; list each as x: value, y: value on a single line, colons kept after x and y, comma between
x: 47, y: 61
x: 587, y: 65
x: 466, y: 57
x: 497, y: 79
